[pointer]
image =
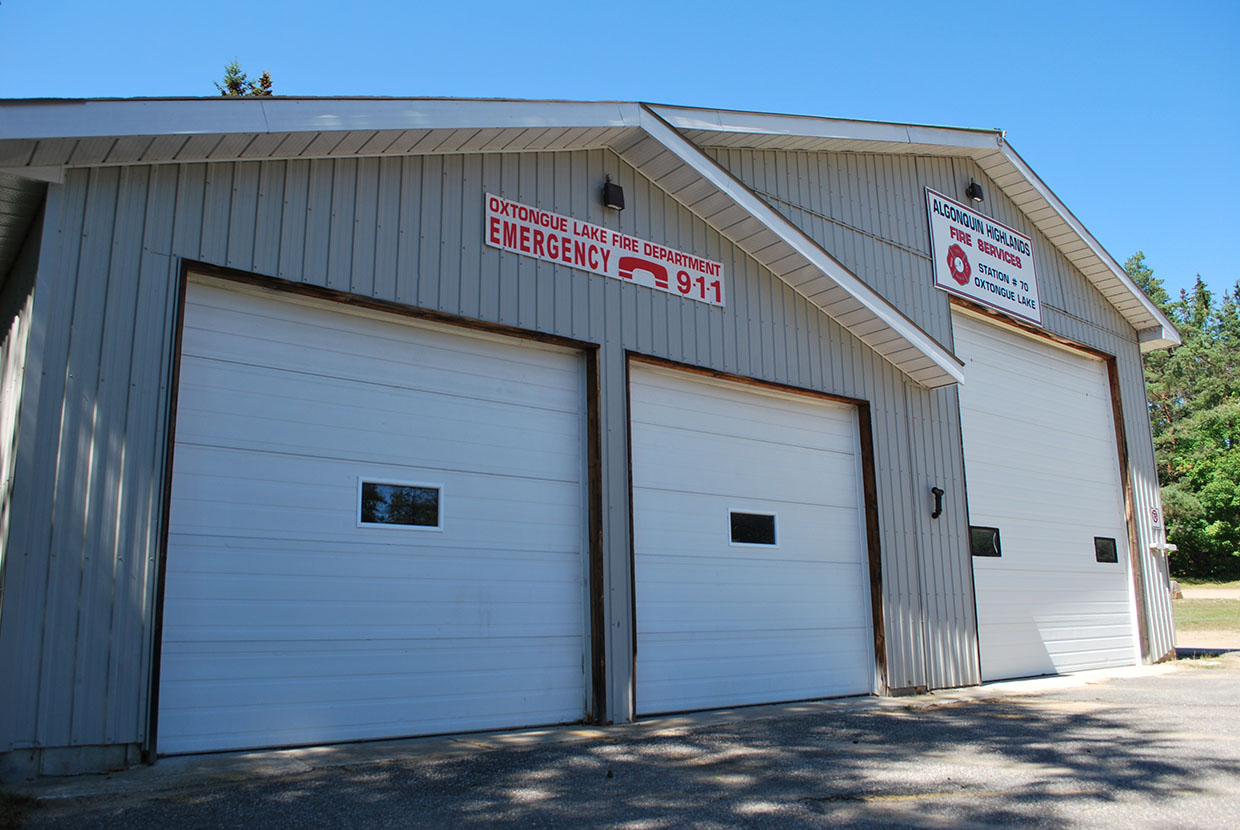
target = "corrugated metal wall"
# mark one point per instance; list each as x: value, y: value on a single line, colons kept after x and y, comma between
x: 869, y: 212
x: 78, y: 608
x: 16, y: 304
x: 409, y: 230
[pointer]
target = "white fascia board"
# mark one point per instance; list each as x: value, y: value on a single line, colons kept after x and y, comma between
x: 95, y: 119
x: 1155, y: 339
x: 211, y: 116
x: 1165, y: 332
x: 727, y: 121
x: 959, y: 138
x: 662, y: 132
x: 381, y: 114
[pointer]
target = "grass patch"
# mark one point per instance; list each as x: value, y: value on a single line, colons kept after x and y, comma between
x: 1205, y: 583
x: 1207, y: 615
x: 13, y: 809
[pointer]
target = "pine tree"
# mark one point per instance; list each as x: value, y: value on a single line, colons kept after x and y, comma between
x: 1194, y: 405
x: 237, y: 85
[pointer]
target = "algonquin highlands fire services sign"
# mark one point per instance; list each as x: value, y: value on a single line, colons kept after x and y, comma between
x: 978, y: 258
x: 511, y: 226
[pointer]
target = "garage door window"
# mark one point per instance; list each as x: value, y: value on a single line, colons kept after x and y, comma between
x: 1105, y: 549
x: 400, y: 505
x: 752, y: 528
x: 984, y: 541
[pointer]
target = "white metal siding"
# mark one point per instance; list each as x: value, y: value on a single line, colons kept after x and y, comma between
x: 408, y: 229
x: 721, y: 624
x: 868, y: 211
x: 285, y: 621
x: 1041, y: 465
x: 405, y: 230
x: 12, y: 373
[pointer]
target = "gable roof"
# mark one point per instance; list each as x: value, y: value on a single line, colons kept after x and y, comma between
x: 988, y: 148
x: 39, y: 139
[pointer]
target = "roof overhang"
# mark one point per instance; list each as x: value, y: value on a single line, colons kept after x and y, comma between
x: 20, y: 198
x: 988, y: 148
x: 40, y: 139
x: 710, y: 191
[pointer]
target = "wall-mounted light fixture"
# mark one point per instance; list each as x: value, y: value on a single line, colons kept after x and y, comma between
x: 938, y: 502
x: 974, y: 191
x: 613, y: 195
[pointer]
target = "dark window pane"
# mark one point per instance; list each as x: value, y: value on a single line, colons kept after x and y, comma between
x: 399, y: 504
x: 753, y: 529
x: 984, y: 541
x: 1105, y: 549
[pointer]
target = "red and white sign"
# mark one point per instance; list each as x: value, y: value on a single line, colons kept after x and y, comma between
x: 978, y: 258
x: 511, y: 226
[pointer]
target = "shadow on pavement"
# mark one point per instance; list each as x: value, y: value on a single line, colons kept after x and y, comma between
x: 986, y: 763
x: 1195, y: 653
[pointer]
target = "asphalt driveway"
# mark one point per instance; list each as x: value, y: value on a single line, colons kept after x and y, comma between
x: 1152, y: 747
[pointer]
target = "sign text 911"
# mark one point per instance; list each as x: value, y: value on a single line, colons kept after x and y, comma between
x: 511, y: 226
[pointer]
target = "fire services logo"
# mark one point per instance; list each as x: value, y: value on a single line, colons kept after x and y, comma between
x: 959, y: 264
x: 974, y: 256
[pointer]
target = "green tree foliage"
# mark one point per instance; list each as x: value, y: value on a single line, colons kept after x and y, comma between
x: 1194, y: 403
x: 236, y: 84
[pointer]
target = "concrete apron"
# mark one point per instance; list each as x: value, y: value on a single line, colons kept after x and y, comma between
x: 195, y: 771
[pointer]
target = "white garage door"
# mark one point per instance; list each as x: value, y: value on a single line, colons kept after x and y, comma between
x: 376, y: 529
x: 750, y: 561
x: 1042, y: 468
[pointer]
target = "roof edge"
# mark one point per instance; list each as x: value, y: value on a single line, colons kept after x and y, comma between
x: 667, y: 135
x: 810, y: 126
x: 1164, y: 335
x: 1167, y: 331
x: 38, y: 119
x: 154, y: 117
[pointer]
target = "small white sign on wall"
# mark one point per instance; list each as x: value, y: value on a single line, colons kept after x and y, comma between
x: 981, y: 259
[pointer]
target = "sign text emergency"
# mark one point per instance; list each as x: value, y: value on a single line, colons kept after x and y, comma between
x: 515, y: 227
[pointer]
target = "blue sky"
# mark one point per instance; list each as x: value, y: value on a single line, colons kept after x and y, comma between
x: 1130, y: 111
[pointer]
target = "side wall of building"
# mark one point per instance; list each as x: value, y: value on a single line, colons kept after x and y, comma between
x: 869, y: 212
x: 16, y: 306
x: 75, y: 635
x: 408, y: 230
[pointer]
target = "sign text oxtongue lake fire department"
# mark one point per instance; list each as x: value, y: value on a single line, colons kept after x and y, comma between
x: 522, y: 229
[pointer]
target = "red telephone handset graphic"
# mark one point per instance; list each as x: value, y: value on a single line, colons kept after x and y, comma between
x: 629, y: 264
